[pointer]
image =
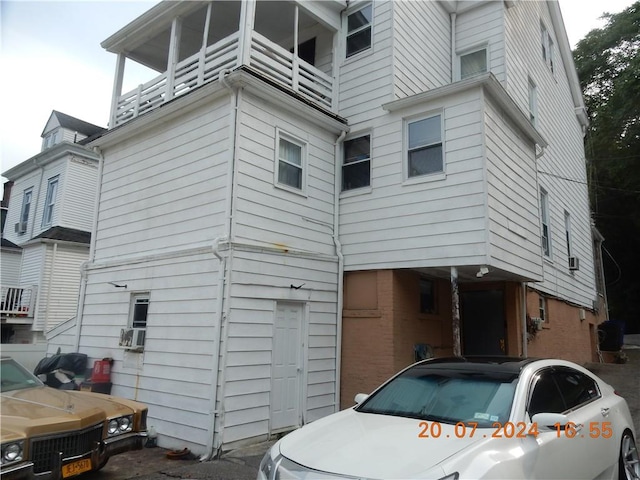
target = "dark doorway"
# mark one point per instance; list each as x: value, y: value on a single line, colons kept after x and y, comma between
x: 483, y: 322
x: 307, y: 51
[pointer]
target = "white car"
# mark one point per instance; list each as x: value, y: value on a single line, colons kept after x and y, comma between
x: 469, y: 418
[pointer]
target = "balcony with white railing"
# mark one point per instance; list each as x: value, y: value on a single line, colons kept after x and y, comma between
x: 17, y: 304
x: 189, y: 44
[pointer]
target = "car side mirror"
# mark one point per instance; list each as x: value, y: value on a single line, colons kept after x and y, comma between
x: 547, y: 421
x: 360, y: 397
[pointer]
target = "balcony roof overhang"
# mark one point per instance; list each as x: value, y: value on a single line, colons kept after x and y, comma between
x: 491, y: 85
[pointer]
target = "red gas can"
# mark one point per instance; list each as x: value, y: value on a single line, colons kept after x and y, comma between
x: 101, y: 371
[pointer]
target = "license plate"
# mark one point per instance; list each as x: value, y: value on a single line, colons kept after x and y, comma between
x: 76, y: 468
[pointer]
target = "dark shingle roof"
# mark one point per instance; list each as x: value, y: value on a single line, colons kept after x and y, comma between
x: 10, y: 244
x: 66, y: 235
x: 77, y: 125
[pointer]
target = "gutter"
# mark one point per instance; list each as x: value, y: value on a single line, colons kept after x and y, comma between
x: 336, y: 241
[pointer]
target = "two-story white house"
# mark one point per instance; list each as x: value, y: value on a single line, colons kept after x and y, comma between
x: 309, y: 195
x: 48, y: 229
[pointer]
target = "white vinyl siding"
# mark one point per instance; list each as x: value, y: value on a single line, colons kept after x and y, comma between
x: 558, y: 124
x: 260, y: 281
x: 274, y: 217
x: 78, y: 198
x: 165, y: 189
x: 482, y: 27
x: 10, y: 271
x: 421, y: 224
x: 421, y: 47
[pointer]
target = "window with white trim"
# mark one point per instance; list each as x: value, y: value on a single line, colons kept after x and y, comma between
x: 533, y: 103
x: 544, y: 213
x: 359, y: 30
x: 356, y: 163
x: 291, y: 162
x: 567, y: 232
x: 50, y: 201
x: 542, y: 307
x: 50, y: 139
x: 424, y: 146
x: 139, y: 310
x: 473, y: 63
x: 547, y: 46
x: 26, y: 206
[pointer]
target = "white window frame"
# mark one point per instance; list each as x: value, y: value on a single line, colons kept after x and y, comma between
x: 567, y: 232
x: 533, y: 102
x: 50, y: 200
x: 477, y: 48
x: 547, y: 47
x: 439, y: 175
x: 545, y: 223
x: 287, y: 137
x: 358, y: 30
x: 542, y: 308
x: 27, y: 198
x: 139, y: 298
x: 347, y: 165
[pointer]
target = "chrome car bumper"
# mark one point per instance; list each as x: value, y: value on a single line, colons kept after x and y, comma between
x: 98, y: 455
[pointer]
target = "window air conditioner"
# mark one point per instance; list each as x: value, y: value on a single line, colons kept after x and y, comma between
x: 21, y: 227
x: 132, y: 338
x: 574, y: 263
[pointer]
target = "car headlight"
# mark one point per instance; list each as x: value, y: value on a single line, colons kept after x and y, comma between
x: 120, y: 425
x: 12, y: 452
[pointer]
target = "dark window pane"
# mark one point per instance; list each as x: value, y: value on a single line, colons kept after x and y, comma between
x: 357, y: 149
x: 425, y: 161
x: 576, y: 388
x: 140, y: 310
x: 425, y: 132
x: 358, y: 41
x: 546, y: 396
x: 427, y: 296
x: 290, y: 175
x: 356, y: 175
x: 359, y: 19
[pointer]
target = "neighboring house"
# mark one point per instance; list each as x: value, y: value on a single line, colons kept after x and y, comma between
x: 310, y: 195
x: 48, y: 230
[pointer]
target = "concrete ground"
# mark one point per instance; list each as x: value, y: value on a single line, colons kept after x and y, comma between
x: 242, y: 464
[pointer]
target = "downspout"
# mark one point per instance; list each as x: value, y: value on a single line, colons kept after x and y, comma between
x: 453, y: 17
x: 92, y: 249
x: 336, y: 241
x: 524, y: 320
x: 214, y: 443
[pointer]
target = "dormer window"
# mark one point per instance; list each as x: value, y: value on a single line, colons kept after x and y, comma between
x: 473, y: 63
x: 50, y: 139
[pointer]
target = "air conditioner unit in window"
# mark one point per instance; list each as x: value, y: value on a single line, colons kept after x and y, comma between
x: 132, y: 338
x: 574, y: 263
x: 21, y: 227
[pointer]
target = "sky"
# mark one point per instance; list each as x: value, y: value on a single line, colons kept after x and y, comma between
x: 51, y: 59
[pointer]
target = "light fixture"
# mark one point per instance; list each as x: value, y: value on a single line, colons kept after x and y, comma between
x: 483, y: 271
x: 117, y: 286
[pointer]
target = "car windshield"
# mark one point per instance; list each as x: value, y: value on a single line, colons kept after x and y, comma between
x: 447, y: 394
x: 15, y: 377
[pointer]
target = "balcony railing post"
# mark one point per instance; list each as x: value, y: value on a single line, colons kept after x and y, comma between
x: 247, y: 22
x: 203, y: 49
x: 117, y: 89
x: 295, y: 67
x: 174, y: 51
x: 136, y: 106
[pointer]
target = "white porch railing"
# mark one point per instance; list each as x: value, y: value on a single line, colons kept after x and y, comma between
x: 17, y: 301
x: 266, y: 57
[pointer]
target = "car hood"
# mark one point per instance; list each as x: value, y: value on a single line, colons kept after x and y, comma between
x: 42, y: 410
x: 371, y: 446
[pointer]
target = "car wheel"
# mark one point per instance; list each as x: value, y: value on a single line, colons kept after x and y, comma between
x: 629, y: 464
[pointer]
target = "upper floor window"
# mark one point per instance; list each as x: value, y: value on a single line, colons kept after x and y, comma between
x: 359, y: 30
x: 50, y: 201
x: 547, y: 46
x: 533, y: 102
x: 26, y: 206
x: 567, y: 233
x: 544, y: 213
x: 290, y: 162
x: 424, y: 153
x: 356, y: 164
x: 473, y: 63
x: 50, y: 139
x: 542, y: 308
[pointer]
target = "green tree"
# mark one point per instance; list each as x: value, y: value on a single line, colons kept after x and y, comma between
x: 608, y: 64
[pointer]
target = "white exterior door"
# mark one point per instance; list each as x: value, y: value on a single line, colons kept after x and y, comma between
x: 286, y: 366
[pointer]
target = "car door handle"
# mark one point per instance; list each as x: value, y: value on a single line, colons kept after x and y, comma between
x: 604, y: 412
x: 578, y: 427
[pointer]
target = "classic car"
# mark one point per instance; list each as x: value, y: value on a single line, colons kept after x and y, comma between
x: 49, y: 433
